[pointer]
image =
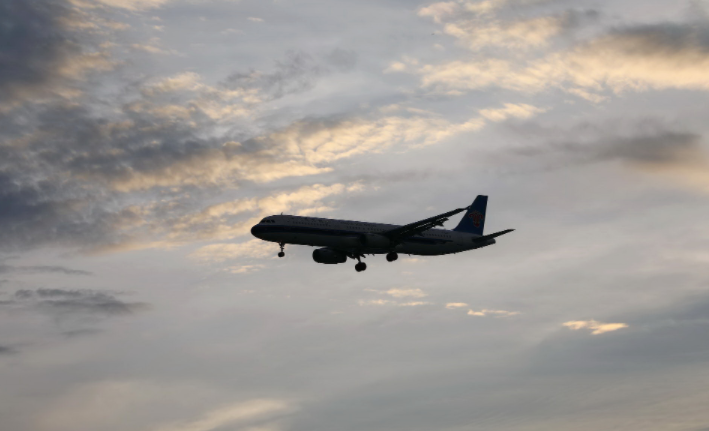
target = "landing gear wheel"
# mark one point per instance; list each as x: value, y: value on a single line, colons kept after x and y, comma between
x: 391, y: 257
x: 281, y: 253
x: 360, y: 267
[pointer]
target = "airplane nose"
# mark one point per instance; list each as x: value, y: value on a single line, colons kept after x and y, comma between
x: 256, y: 230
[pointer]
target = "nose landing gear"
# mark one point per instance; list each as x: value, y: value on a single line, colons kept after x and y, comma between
x: 281, y: 253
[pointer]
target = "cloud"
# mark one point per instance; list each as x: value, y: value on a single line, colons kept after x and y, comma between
x: 38, y: 53
x: 38, y: 212
x: 511, y: 110
x: 496, y: 313
x: 319, y: 142
x: 133, y: 5
x: 484, y: 7
x: 633, y: 58
x: 42, y: 269
x: 342, y: 59
x: 245, y: 269
x: 647, y: 146
x: 527, y: 33
x: 181, y: 81
x: 61, y: 302
x: 478, y: 26
x: 253, y: 249
x: 233, y: 414
x: 376, y: 302
x: 655, y: 56
x: 7, y: 350
x: 255, y: 19
x: 671, y: 335
x: 454, y: 305
x: 296, y: 73
x: 597, y: 328
x: 383, y: 302
x: 152, y: 47
x: 83, y: 175
x: 439, y: 11
x: 406, y: 293
x: 157, y: 406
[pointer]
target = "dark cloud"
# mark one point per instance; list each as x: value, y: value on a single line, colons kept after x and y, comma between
x: 81, y: 332
x: 341, y: 59
x: 644, y: 145
x: 40, y: 213
x: 669, y: 39
x: 74, y: 174
x: 573, y: 19
x: 42, y: 269
x: 33, y: 45
x: 61, y: 302
x: 664, y: 149
x: 6, y: 350
x: 296, y: 73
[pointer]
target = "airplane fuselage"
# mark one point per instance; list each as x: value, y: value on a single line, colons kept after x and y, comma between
x: 362, y: 237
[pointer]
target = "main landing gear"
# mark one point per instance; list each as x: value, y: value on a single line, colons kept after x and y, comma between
x: 392, y: 256
x: 281, y: 253
x: 361, y: 266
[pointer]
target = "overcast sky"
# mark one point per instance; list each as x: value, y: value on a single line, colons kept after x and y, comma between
x: 141, y: 139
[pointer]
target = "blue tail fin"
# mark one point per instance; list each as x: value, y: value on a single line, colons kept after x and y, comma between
x: 474, y: 219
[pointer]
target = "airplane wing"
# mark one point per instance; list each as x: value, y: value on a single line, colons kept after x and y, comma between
x: 416, y: 228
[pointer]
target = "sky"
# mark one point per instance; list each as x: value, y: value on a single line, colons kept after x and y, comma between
x: 141, y: 139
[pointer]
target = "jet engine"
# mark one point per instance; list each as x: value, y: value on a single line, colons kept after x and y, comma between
x: 373, y: 240
x: 329, y: 256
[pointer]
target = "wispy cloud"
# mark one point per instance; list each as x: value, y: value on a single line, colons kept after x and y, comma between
x: 406, y: 293
x: 495, y: 313
x: 62, y: 302
x: 233, y: 414
x: 389, y: 302
x: 253, y: 249
x: 39, y: 269
x: 594, y: 326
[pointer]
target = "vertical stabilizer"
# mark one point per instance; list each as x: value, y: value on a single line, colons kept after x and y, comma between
x: 474, y: 220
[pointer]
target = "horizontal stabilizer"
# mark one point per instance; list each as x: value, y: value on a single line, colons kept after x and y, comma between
x: 493, y: 235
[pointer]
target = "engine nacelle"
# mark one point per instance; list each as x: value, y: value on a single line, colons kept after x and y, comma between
x: 329, y: 256
x: 373, y: 240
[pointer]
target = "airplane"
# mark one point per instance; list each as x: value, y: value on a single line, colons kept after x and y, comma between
x: 342, y: 239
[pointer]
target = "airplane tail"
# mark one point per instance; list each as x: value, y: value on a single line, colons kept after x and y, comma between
x: 474, y: 220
